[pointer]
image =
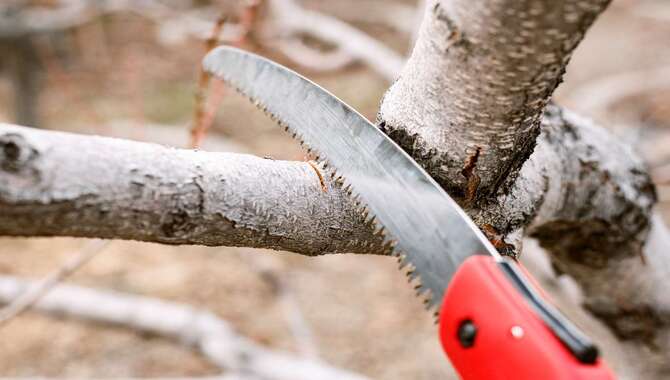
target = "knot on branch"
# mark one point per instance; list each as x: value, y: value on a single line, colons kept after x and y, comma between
x: 16, y: 154
x: 455, y: 34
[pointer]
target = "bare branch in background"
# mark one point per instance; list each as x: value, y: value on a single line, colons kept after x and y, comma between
x: 478, y: 84
x: 32, y: 295
x: 201, y: 329
x: 286, y: 25
x: 396, y: 15
x: 296, y: 50
x: 288, y: 16
x: 18, y: 20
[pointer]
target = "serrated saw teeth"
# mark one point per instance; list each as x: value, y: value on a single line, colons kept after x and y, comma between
x: 389, y: 245
x: 402, y: 263
x: 412, y: 275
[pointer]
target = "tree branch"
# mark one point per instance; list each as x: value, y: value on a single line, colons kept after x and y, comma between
x: 201, y: 329
x: 60, y: 184
x: 479, y: 77
x: 471, y: 106
x: 26, y: 300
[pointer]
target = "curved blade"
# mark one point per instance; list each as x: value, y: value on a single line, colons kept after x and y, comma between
x: 431, y: 232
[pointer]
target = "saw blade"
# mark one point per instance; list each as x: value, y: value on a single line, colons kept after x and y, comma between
x: 422, y: 225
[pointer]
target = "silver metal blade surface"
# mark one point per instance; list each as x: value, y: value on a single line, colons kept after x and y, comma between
x: 431, y: 232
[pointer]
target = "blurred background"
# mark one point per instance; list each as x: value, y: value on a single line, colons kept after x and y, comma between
x: 131, y: 69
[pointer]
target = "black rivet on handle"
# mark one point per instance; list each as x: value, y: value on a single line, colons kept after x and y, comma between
x: 467, y: 332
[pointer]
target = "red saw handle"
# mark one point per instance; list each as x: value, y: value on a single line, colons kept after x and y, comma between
x: 494, y: 325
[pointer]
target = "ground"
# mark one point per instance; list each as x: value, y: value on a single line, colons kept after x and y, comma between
x: 363, y: 315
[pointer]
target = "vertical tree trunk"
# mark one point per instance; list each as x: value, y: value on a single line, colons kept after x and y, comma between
x: 476, y: 84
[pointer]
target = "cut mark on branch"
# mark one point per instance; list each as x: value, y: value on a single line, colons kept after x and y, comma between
x: 322, y: 182
x: 498, y: 241
x: 470, y: 174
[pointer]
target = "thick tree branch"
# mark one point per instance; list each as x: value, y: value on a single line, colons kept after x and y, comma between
x: 60, y: 184
x: 471, y: 106
x: 478, y: 78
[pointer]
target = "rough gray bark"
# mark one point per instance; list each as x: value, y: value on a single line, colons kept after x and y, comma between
x: 60, y: 184
x: 476, y: 83
x: 471, y: 106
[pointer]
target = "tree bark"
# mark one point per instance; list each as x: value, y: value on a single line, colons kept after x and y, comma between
x: 472, y: 106
x: 476, y: 83
x: 61, y: 184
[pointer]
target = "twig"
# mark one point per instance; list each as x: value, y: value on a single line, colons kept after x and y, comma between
x: 197, y: 328
x: 199, y: 127
x: 23, y: 301
x: 217, y: 90
x: 248, y: 20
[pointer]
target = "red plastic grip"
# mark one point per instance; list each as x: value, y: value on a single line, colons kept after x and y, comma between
x: 511, y: 341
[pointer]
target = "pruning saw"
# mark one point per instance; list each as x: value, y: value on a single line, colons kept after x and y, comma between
x: 493, y: 321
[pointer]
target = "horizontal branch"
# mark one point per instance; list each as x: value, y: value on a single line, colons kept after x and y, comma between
x: 212, y: 336
x: 582, y: 194
x: 61, y: 184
